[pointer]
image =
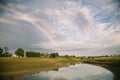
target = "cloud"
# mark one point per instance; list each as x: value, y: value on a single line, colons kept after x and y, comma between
x: 83, y: 25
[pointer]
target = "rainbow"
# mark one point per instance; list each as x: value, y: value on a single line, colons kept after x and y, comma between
x: 28, y: 18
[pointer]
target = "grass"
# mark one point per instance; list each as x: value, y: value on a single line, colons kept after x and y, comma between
x: 19, y: 66
x: 110, y: 63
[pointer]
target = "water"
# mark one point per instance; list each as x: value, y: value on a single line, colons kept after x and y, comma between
x: 73, y: 72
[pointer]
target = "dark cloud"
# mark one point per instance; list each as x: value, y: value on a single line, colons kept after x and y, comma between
x: 116, y: 2
x: 4, y: 2
x: 81, y: 21
x: 20, y: 36
x: 2, y: 11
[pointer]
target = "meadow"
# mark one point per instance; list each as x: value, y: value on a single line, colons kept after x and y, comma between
x: 19, y: 66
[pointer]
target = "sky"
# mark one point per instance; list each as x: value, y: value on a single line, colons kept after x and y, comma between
x: 73, y: 27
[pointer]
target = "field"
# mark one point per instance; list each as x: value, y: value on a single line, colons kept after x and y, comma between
x: 19, y: 66
x: 110, y: 63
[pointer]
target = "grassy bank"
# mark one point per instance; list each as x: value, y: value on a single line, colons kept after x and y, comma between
x: 19, y: 66
x: 110, y: 63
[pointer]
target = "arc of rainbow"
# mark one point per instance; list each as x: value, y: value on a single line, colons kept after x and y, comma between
x: 29, y: 19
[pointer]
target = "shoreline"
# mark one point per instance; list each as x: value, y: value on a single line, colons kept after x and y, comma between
x: 110, y: 63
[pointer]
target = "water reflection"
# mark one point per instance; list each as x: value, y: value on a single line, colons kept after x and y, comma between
x: 73, y: 72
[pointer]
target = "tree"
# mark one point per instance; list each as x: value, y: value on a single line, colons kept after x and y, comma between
x: 1, y: 51
x: 66, y: 56
x: 32, y: 54
x: 53, y: 55
x: 6, y: 49
x: 6, y: 52
x: 19, y: 52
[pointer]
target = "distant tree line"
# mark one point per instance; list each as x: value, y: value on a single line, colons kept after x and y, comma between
x: 21, y: 53
x: 4, y: 52
x: 41, y: 54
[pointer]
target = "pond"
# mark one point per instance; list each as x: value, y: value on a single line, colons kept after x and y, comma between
x: 73, y: 72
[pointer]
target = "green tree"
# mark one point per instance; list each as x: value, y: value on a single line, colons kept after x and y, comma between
x: 32, y: 54
x: 1, y: 51
x: 66, y: 56
x: 19, y: 52
x: 6, y: 52
x: 53, y: 55
x: 6, y: 49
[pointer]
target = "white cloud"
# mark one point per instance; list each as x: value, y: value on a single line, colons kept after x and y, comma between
x: 79, y: 24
